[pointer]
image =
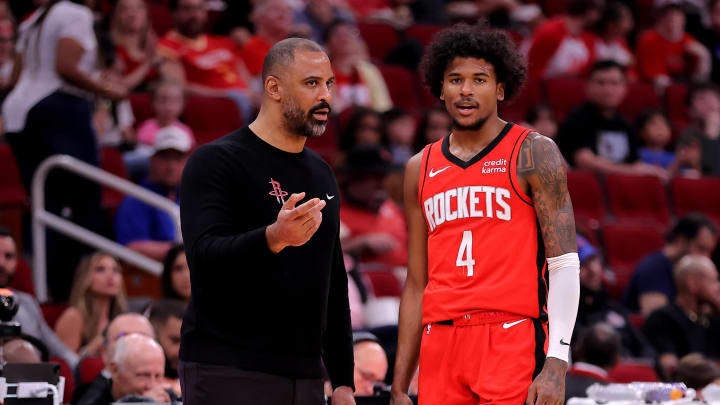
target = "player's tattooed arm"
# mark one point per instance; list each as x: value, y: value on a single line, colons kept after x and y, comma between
x: 541, y: 165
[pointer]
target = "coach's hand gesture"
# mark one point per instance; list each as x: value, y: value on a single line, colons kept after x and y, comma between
x: 549, y: 386
x: 295, y: 225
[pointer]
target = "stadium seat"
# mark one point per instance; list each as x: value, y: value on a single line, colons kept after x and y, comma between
x: 400, y: 84
x: 625, y: 244
x: 141, y: 104
x: 516, y: 110
x: 564, y: 94
x: 52, y: 312
x: 23, y: 278
x: 12, y: 190
x: 88, y: 369
x: 384, y: 284
x: 380, y: 38
x: 66, y: 372
x: 112, y: 162
x: 423, y: 33
x: 628, y: 371
x: 696, y: 195
x: 161, y: 18
x: 676, y: 105
x: 211, y: 117
x: 640, y: 97
x: 638, y: 198
x: 587, y: 198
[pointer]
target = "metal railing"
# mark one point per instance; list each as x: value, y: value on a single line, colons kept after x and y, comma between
x: 43, y: 218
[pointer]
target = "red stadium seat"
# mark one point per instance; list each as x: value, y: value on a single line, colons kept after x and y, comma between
x: 211, y: 117
x: 380, y: 38
x: 88, y: 369
x: 23, y: 278
x: 564, y: 94
x: 161, y: 18
x: 640, y: 97
x: 112, y: 162
x: 52, y: 312
x: 400, y: 83
x: 141, y: 104
x: 424, y: 33
x: 696, y: 195
x: 66, y: 372
x: 628, y: 371
x: 638, y: 198
x: 384, y: 284
x: 675, y: 100
x: 625, y: 244
x: 12, y: 190
x: 587, y: 198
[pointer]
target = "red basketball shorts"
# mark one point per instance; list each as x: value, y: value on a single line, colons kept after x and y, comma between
x: 481, y: 358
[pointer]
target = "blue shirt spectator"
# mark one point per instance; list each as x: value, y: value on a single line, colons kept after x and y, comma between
x: 142, y: 227
x: 653, y: 274
x: 660, y: 158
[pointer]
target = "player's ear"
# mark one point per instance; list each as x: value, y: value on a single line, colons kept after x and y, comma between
x: 442, y: 92
x: 272, y: 88
x: 501, y: 91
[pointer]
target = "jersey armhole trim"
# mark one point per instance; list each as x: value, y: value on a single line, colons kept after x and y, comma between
x: 513, y: 168
x: 423, y: 170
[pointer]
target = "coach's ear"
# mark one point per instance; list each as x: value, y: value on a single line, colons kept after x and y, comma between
x: 272, y: 88
x: 501, y: 91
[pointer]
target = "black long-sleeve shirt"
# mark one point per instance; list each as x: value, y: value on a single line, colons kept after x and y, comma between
x: 283, y: 314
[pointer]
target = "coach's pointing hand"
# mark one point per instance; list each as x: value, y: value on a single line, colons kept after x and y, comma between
x: 295, y: 225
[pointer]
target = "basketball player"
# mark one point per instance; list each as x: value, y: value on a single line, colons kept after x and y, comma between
x: 485, y: 205
x: 260, y: 220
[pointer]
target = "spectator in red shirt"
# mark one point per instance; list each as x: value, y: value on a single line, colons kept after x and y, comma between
x: 609, y: 41
x: 273, y: 21
x: 135, y: 45
x: 667, y: 52
x: 211, y: 64
x: 378, y: 233
x: 557, y: 46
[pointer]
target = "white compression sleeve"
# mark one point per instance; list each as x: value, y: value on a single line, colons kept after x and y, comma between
x: 562, y: 305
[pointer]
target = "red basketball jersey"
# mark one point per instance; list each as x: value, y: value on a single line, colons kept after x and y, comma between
x: 485, y: 249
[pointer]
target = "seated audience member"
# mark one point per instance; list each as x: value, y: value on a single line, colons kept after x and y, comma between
x: 364, y: 128
x: 137, y: 370
x: 175, y: 277
x: 595, y: 136
x: 434, y: 125
x: 29, y: 314
x: 651, y: 285
x: 400, y: 129
x: 377, y: 227
x: 97, y: 296
x: 142, y: 227
x: 704, y: 109
x: 318, y: 15
x: 7, y: 53
x: 358, y: 82
x: 371, y: 363
x: 135, y: 44
x: 597, y: 351
x: 273, y: 21
x: 667, y: 52
x: 595, y: 305
x: 654, y: 130
x: 690, y: 323
x: 557, y: 47
x: 20, y: 351
x: 697, y: 372
x: 212, y: 67
x: 609, y: 40
x: 166, y: 317
x: 710, y: 37
x: 541, y: 118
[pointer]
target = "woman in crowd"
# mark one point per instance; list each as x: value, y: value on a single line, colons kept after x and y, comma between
x: 176, y: 275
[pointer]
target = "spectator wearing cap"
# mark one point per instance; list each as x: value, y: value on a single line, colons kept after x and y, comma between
x: 597, y: 351
x: 371, y: 363
x: 376, y: 224
x: 142, y: 227
x: 595, y: 305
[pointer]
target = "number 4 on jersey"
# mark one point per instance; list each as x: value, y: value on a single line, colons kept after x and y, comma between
x: 464, y: 257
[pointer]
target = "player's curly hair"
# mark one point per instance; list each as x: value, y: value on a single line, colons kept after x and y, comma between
x: 474, y: 41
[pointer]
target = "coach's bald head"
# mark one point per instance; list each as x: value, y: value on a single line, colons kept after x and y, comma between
x: 282, y: 55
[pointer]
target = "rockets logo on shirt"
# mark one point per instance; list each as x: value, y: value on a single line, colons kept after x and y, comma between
x: 468, y: 202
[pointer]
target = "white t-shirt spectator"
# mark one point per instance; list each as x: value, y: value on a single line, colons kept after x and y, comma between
x: 39, y: 77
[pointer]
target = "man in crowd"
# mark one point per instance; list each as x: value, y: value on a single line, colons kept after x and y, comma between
x: 29, y: 314
x: 371, y: 363
x: 166, y: 317
x: 142, y: 227
x: 652, y: 285
x: 597, y: 351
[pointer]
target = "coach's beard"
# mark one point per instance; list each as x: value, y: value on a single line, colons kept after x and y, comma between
x: 303, y: 124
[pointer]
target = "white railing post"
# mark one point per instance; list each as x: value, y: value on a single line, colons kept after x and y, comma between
x: 42, y: 218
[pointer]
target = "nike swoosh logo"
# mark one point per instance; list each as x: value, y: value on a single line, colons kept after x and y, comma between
x: 433, y: 174
x: 329, y: 197
x: 507, y: 325
x: 563, y: 343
